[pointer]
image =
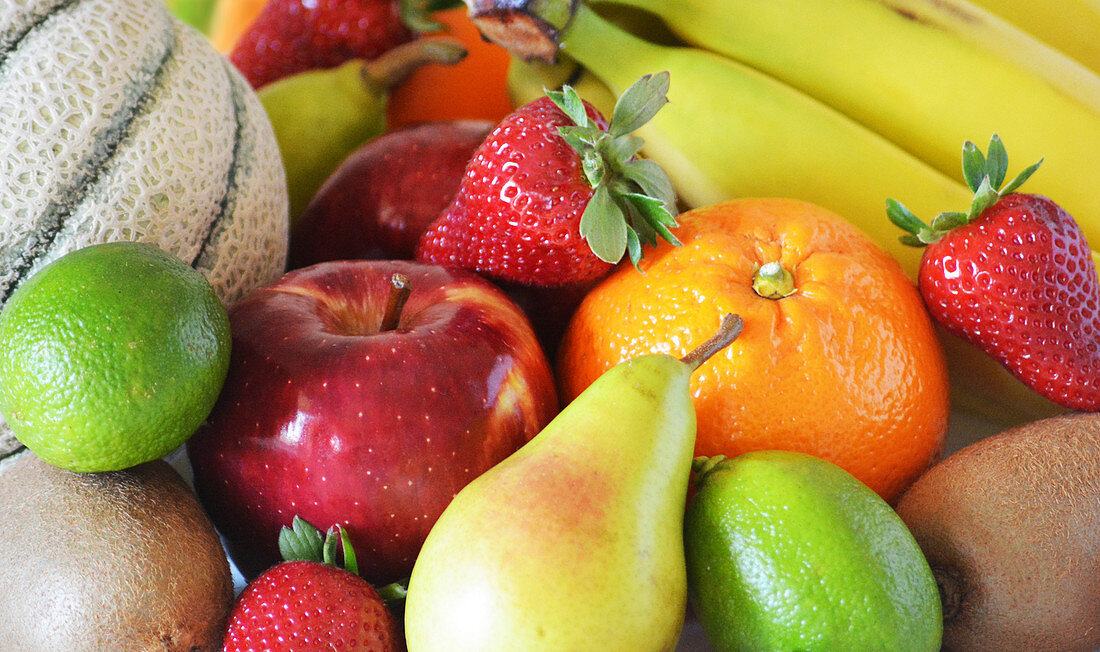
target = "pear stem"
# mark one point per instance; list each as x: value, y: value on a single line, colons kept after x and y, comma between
x: 399, y: 294
x: 399, y: 62
x: 728, y: 331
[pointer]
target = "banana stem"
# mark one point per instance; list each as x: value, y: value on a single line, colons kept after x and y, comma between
x: 728, y: 331
x: 529, y: 29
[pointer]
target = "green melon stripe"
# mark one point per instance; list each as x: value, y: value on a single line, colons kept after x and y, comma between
x: 11, y: 39
x: 223, y: 216
x: 52, y: 219
x: 17, y: 450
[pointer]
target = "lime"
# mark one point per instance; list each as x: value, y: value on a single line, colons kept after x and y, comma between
x: 786, y: 551
x: 111, y: 356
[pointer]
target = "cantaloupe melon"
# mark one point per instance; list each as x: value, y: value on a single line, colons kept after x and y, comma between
x: 119, y: 122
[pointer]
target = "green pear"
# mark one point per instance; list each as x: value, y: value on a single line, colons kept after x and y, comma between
x: 574, y: 542
x: 321, y: 116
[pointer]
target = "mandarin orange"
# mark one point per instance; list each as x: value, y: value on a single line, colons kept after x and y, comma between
x: 838, y: 357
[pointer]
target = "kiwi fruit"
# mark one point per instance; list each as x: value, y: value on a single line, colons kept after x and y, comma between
x: 1011, y: 528
x: 115, y: 561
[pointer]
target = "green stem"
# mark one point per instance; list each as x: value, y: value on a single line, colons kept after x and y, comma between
x: 773, y: 281
x: 702, y: 466
x: 614, y: 55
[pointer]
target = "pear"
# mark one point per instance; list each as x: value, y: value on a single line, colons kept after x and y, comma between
x: 575, y: 541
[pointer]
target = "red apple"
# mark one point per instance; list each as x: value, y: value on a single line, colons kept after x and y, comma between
x: 381, y: 199
x: 343, y: 408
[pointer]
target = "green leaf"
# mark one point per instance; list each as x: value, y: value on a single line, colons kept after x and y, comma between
x: 301, y: 541
x: 654, y: 213
x: 911, y: 240
x: 416, y: 14
x: 984, y: 197
x: 653, y: 180
x: 594, y: 168
x: 639, y: 103
x: 633, y: 247
x: 570, y: 103
x: 582, y: 137
x: 394, y: 591
x: 948, y: 220
x: 903, y: 218
x: 1021, y: 178
x: 996, y: 162
x: 973, y: 165
x: 623, y: 148
x: 603, y: 225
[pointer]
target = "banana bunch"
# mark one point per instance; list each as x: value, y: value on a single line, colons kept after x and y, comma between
x: 1073, y: 26
x: 845, y: 103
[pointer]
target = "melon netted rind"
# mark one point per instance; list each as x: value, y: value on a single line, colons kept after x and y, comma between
x: 119, y: 122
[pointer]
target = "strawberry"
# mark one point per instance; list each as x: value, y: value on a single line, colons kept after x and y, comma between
x: 308, y: 604
x: 556, y: 195
x: 292, y: 36
x: 1015, y: 277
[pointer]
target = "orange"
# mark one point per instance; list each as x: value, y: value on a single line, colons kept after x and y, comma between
x: 473, y: 89
x: 230, y: 20
x: 845, y: 366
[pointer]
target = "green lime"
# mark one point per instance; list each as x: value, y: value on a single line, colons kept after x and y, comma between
x: 786, y: 551
x: 111, y: 356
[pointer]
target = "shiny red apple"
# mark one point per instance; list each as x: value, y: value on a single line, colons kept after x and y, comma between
x: 343, y: 406
x: 382, y: 198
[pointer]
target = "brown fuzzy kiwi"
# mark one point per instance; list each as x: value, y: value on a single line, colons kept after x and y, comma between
x: 1011, y: 528
x: 112, y: 561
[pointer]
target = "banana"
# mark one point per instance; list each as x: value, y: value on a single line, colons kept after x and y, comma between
x: 730, y: 131
x: 1072, y: 26
x: 925, y: 74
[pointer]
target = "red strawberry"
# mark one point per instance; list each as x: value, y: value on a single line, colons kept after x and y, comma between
x: 308, y: 605
x: 555, y: 195
x: 292, y: 36
x: 1014, y: 277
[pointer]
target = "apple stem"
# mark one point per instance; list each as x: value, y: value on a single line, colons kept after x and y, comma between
x: 399, y: 294
x: 728, y: 331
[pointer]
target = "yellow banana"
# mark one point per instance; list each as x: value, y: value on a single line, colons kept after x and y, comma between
x: 925, y: 74
x: 729, y: 131
x: 1072, y: 26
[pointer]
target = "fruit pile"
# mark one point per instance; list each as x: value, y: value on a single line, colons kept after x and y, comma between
x: 629, y: 325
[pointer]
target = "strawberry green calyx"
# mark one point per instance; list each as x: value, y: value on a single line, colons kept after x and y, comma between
x: 304, y: 542
x: 984, y: 174
x: 633, y: 200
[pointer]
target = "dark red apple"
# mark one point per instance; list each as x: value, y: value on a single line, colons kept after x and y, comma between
x: 342, y: 407
x: 380, y: 200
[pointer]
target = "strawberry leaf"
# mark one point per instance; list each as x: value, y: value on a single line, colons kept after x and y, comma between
x: 973, y: 163
x: 571, y: 104
x: 948, y: 220
x: 1023, y: 176
x: 652, y: 179
x: 911, y: 240
x: 337, y: 535
x: 984, y: 197
x: 633, y: 247
x: 654, y: 214
x: 996, y: 162
x: 603, y: 225
x: 904, y: 218
x: 639, y: 103
x: 301, y: 542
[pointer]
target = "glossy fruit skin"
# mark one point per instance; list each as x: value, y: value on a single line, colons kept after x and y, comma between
x: 382, y: 198
x: 303, y: 606
x: 292, y: 36
x: 517, y: 214
x: 472, y: 89
x: 787, y: 551
x: 847, y: 368
x: 324, y: 417
x: 1019, y: 282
